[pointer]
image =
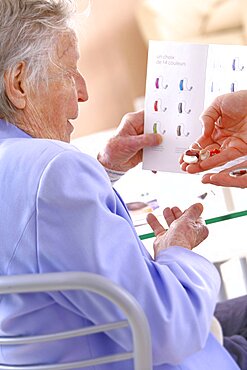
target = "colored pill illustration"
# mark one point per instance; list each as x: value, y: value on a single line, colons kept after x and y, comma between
x: 214, y: 87
x: 157, y: 129
x: 233, y: 87
x: 236, y: 66
x: 181, y: 131
x: 158, y: 106
x: 182, y: 108
x: 159, y: 83
x: 184, y: 86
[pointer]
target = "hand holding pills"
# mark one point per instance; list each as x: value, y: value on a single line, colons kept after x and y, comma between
x: 224, y: 139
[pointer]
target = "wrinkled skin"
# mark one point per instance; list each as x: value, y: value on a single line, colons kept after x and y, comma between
x: 186, y: 229
x: 124, y: 151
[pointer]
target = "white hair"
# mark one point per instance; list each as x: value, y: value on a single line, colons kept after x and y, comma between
x: 27, y: 32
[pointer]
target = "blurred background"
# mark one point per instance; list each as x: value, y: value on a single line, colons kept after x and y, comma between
x: 114, y: 40
x: 113, y: 62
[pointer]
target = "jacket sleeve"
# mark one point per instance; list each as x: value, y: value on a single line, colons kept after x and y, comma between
x: 82, y: 225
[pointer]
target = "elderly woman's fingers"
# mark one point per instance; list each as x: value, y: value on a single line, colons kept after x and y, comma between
x: 155, y: 224
x: 171, y: 214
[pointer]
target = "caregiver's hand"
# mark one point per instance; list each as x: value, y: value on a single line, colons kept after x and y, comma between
x: 225, y: 129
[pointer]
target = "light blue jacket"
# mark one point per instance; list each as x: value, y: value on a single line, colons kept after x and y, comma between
x: 60, y: 213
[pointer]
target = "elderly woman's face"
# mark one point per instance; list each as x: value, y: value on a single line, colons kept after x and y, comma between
x: 55, y: 107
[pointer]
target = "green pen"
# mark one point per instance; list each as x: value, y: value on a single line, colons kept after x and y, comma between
x: 208, y: 221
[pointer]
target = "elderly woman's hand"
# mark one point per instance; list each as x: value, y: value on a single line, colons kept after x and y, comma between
x: 186, y: 229
x: 124, y: 151
x: 235, y: 176
x: 224, y: 129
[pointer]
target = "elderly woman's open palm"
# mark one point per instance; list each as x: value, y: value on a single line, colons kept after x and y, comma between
x: 224, y: 128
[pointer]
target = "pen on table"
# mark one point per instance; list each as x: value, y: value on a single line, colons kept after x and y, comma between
x: 208, y: 221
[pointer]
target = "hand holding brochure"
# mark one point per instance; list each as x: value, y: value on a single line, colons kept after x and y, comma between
x: 182, y: 80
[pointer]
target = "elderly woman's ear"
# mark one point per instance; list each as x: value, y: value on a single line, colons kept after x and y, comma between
x: 15, y: 85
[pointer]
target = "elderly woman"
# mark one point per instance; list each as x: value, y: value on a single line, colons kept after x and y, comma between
x: 60, y: 213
